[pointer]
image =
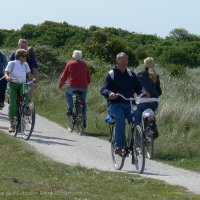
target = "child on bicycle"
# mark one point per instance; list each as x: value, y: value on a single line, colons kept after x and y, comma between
x: 16, y: 73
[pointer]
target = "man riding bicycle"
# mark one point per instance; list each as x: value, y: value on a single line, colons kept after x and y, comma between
x: 120, y: 80
x: 77, y: 75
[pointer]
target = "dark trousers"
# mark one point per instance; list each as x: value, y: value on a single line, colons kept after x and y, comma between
x: 3, y: 87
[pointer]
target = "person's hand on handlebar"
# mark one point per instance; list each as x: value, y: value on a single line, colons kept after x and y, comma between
x: 35, y: 80
x: 145, y: 95
x: 112, y: 96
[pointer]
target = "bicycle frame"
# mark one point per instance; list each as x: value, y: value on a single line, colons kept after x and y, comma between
x: 26, y: 109
x: 77, y: 114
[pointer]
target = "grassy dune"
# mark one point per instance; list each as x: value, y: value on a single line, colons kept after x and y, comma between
x: 178, y: 114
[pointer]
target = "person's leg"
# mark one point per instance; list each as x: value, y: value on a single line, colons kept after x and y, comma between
x: 69, y: 98
x: 13, y: 92
x: 153, y: 106
x: 3, y: 87
x: 83, y: 97
x: 127, y: 112
x: 117, y: 112
x: 153, y: 127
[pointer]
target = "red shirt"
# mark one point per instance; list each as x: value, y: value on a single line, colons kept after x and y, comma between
x: 76, y: 73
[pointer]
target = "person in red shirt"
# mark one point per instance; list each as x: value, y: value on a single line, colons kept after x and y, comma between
x: 77, y: 76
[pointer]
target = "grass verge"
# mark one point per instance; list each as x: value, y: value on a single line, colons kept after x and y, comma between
x: 26, y: 174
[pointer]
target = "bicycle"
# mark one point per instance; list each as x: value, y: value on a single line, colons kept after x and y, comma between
x: 134, y: 144
x: 25, y: 120
x: 148, y: 126
x: 76, y: 119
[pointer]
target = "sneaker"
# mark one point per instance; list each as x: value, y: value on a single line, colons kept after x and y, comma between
x: 11, y: 129
x: 119, y: 151
x: 69, y: 112
x: 2, y: 105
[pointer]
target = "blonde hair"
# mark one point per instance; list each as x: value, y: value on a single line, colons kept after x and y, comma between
x: 19, y: 53
x: 149, y: 64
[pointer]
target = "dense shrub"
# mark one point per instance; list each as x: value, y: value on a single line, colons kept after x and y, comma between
x: 176, y: 70
x: 49, y: 60
x: 180, y: 47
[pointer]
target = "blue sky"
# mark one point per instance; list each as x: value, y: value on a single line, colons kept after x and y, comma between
x: 141, y: 16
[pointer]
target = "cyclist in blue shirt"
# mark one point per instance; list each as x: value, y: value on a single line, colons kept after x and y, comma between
x: 125, y: 82
x: 3, y: 82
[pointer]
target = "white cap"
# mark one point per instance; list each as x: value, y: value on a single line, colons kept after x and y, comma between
x: 77, y: 55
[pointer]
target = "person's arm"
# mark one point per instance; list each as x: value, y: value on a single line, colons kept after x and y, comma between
x: 36, y: 74
x: 64, y: 76
x: 4, y: 61
x: 7, y: 72
x: 34, y: 64
x: 28, y: 72
x: 12, y: 57
x: 106, y: 89
x: 159, y: 90
x: 7, y: 75
x: 30, y: 75
x: 88, y: 75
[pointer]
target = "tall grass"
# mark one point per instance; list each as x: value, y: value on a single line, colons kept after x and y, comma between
x: 178, y: 113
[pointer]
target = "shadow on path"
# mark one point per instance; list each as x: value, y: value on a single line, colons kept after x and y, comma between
x: 50, y: 140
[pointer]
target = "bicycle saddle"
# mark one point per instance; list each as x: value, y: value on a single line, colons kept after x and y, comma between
x: 78, y: 92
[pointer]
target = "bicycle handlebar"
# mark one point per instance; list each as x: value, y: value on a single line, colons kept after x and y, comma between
x: 146, y: 100
x: 28, y: 83
x: 139, y: 100
x: 123, y: 97
x: 133, y: 108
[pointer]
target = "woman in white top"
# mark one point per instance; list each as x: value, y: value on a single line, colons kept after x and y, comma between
x: 16, y: 73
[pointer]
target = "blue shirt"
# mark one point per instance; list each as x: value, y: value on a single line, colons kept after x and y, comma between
x: 122, y: 83
x: 3, y: 63
x: 31, y: 60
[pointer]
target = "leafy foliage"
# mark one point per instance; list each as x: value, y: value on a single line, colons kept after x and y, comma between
x: 179, y: 48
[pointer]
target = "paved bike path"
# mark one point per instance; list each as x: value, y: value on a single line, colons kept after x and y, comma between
x: 58, y: 144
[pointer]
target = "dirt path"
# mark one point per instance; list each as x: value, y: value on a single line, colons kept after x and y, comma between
x: 58, y: 144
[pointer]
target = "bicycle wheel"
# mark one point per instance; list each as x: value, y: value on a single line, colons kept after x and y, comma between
x: 79, y: 119
x: 118, y: 160
x: 138, y: 150
x: 17, y: 126
x: 70, y: 122
x: 149, y: 145
x: 27, y: 120
x: 80, y: 125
